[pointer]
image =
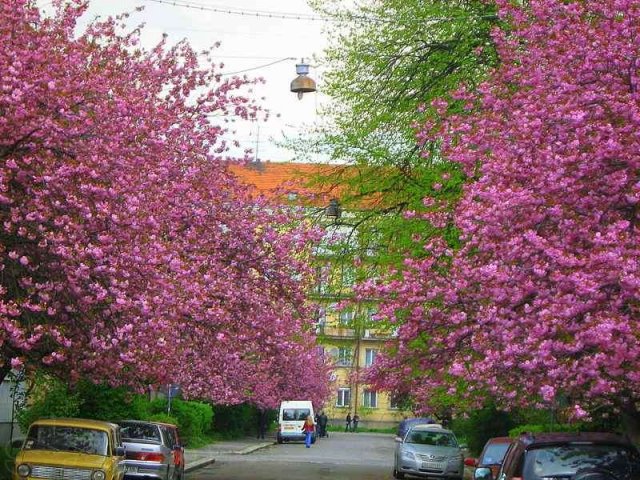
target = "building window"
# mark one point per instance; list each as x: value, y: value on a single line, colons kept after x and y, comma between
x: 394, y: 403
x: 369, y: 356
x: 346, y: 317
x: 321, y: 280
x: 344, y: 397
x: 344, y: 357
x: 321, y: 320
x: 370, y: 399
x: 348, y: 276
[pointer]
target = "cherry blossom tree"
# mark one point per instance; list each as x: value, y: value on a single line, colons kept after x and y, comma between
x: 129, y: 253
x: 543, y: 300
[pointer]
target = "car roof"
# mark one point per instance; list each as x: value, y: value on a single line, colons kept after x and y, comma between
x: 535, y: 439
x: 500, y: 440
x: 165, y: 424
x: 143, y: 422
x: 418, y: 420
x: 426, y: 427
x: 76, y: 422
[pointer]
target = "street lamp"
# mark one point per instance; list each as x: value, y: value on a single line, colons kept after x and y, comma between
x: 302, y: 83
x: 333, y: 211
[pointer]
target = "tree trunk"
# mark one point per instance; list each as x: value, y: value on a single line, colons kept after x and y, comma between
x: 4, y: 370
x: 631, y: 422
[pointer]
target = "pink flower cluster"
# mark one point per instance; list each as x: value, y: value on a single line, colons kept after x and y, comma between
x: 129, y: 253
x: 544, y: 297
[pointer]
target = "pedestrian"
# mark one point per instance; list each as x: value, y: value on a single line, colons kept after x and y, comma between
x: 308, y: 429
x: 356, y: 419
x: 322, y: 423
x: 348, y: 420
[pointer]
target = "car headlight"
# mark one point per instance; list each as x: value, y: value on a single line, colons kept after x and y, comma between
x: 23, y: 470
x: 97, y: 475
x: 408, y: 455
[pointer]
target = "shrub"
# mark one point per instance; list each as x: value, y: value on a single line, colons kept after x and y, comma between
x: 232, y: 421
x: 193, y: 418
x: 481, y: 425
x: 101, y: 402
x: 548, y: 427
x: 49, y: 398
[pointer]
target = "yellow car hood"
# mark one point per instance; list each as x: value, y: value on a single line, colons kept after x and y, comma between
x: 61, y: 459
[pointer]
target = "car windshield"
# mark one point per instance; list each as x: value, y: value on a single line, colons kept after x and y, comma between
x: 295, y: 413
x: 493, y: 454
x: 564, y: 461
x: 67, y: 439
x: 423, y: 437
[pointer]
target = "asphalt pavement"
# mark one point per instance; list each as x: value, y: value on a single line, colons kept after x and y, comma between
x: 195, y: 458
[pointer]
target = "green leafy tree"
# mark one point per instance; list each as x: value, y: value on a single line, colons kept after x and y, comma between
x: 387, y: 61
x: 48, y: 397
x: 387, y: 58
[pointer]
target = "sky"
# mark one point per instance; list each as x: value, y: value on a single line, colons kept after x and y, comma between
x: 264, y: 38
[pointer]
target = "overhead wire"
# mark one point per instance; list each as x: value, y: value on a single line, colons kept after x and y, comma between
x: 306, y: 16
x: 257, y: 67
x: 240, y: 11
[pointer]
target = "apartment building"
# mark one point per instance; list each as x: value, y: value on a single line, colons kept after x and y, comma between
x: 348, y: 336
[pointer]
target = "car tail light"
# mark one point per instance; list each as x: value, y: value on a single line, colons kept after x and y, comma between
x: 146, y: 456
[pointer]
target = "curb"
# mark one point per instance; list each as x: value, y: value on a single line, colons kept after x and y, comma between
x: 253, y: 448
x: 198, y: 464
x: 208, y: 461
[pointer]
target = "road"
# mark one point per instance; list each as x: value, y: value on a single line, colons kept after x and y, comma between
x: 342, y: 456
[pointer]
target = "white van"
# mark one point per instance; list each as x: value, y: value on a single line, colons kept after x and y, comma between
x: 292, y: 415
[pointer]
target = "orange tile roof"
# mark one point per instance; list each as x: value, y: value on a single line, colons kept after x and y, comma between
x: 277, y: 179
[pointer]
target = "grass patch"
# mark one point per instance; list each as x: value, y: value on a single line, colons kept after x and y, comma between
x: 7, y: 456
x: 337, y: 428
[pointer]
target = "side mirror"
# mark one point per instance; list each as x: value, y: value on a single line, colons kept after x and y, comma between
x: 471, y: 462
x: 120, y: 451
x: 17, y: 443
x: 398, y: 439
x: 482, y: 473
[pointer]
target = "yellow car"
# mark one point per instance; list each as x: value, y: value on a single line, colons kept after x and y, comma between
x: 71, y: 448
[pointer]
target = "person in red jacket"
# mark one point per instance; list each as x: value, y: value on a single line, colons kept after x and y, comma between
x: 308, y: 429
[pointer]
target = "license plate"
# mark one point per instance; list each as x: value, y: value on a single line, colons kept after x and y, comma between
x: 130, y: 469
x: 432, y: 466
x: 288, y: 427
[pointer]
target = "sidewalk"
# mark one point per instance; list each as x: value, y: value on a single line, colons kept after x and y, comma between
x: 199, y: 457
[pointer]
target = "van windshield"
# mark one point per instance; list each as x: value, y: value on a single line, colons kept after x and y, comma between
x: 295, y: 413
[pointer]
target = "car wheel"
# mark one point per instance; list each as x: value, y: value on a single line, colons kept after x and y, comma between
x: 279, y: 439
x: 397, y: 474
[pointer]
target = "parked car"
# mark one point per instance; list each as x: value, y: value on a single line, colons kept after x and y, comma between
x: 491, y: 456
x: 574, y: 456
x: 428, y: 451
x: 178, y: 448
x: 407, y: 423
x: 71, y: 448
x: 153, y: 450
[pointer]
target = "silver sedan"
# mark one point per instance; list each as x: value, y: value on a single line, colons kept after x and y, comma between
x: 428, y: 451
